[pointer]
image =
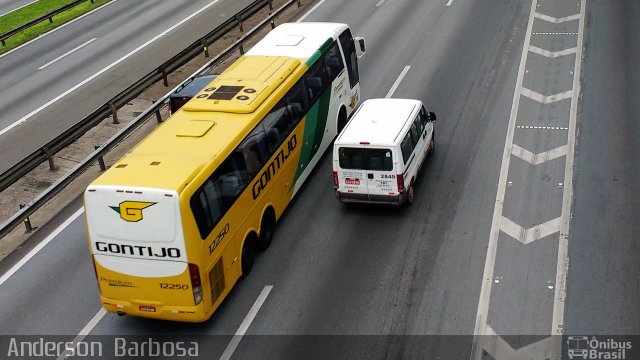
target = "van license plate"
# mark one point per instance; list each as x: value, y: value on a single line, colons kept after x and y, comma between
x: 147, y: 308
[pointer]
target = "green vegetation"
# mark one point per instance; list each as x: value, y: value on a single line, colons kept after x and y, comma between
x: 22, y: 16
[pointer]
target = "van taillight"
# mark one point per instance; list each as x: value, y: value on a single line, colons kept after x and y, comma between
x: 196, y: 283
x: 335, y: 179
x: 400, y: 178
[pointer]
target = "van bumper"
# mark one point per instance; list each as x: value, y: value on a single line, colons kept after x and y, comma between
x: 371, y: 199
x: 163, y: 312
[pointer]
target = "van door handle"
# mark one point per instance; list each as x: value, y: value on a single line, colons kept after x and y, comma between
x: 370, y: 176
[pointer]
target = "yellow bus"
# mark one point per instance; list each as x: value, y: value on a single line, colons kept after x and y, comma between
x: 176, y: 222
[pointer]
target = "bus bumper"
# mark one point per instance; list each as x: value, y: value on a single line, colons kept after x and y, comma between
x: 163, y: 312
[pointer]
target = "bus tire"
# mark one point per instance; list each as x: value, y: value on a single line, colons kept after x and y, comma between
x: 342, y: 119
x: 248, y: 255
x: 267, y: 229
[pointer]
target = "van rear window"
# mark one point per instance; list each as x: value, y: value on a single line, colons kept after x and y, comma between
x: 365, y: 159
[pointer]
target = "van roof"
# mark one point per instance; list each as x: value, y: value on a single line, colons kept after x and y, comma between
x: 378, y: 121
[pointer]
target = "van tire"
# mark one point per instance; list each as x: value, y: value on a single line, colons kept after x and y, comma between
x: 267, y: 229
x: 248, y: 255
x: 342, y: 119
x: 432, y: 145
x: 411, y: 193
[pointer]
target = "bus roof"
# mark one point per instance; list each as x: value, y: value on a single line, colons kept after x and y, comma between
x: 209, y: 127
x: 378, y: 121
x: 298, y: 40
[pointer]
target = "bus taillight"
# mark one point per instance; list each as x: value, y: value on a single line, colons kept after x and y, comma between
x: 196, y: 283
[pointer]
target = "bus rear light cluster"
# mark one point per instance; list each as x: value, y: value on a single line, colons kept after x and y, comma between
x: 196, y: 283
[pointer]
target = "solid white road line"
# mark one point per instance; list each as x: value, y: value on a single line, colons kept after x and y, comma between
x: 39, y: 247
x: 67, y: 53
x: 310, y: 11
x: 109, y: 67
x: 398, y: 80
x: 562, y: 267
x: 490, y: 260
x: 83, y: 333
x: 58, y: 28
x: 18, y: 8
x: 228, y: 352
x: 449, y: 2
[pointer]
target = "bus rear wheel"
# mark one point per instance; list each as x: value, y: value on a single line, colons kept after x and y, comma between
x: 267, y: 229
x: 248, y: 255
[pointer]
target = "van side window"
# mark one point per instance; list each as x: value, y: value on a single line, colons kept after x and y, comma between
x: 418, y: 123
x: 415, y: 134
x: 333, y: 61
x: 424, y: 118
x: 407, y: 147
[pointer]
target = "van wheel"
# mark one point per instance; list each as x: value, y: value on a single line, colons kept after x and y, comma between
x: 432, y: 145
x: 411, y: 193
x: 248, y: 255
x: 267, y: 228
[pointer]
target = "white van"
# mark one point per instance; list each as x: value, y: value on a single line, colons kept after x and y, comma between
x: 377, y: 156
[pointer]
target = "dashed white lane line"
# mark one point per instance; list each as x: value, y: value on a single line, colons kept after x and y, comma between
x: 380, y: 3
x: 398, y: 81
x: 449, y: 2
x: 58, y: 28
x: 233, y: 344
x: 310, y: 11
x: 107, y: 68
x: 542, y: 127
x: 39, y: 247
x: 83, y: 333
x: 67, y: 53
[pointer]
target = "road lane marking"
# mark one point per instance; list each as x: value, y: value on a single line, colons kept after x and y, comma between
x: 83, y: 333
x: 380, y: 3
x: 543, y: 98
x: 18, y: 8
x: 39, y: 247
x: 539, y: 158
x: 555, y: 19
x: 527, y: 236
x: 541, y: 127
x: 552, y: 54
x: 557, y: 322
x: 228, y: 352
x: 109, y: 67
x: 57, y: 28
x: 398, y: 80
x: 449, y: 2
x: 67, y: 53
x: 492, y: 247
x: 310, y: 11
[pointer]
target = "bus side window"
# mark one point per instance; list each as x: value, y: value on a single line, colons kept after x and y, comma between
x: 316, y: 80
x: 207, y: 207
x: 255, y: 149
x: 333, y: 61
x: 297, y: 103
x: 350, y: 56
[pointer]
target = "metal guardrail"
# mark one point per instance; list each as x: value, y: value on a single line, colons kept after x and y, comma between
x: 23, y: 27
x: 154, y: 110
x: 46, y: 152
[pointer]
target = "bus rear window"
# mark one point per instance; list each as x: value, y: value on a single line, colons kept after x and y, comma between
x: 365, y: 159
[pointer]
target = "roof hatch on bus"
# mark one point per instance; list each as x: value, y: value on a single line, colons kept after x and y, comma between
x: 243, y: 87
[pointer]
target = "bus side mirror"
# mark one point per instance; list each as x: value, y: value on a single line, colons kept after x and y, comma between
x: 360, y: 49
x: 432, y: 116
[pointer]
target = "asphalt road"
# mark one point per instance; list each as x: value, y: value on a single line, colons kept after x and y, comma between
x: 57, y: 80
x: 374, y: 279
x: 8, y: 6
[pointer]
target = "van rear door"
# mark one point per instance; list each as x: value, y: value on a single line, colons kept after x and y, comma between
x: 368, y: 171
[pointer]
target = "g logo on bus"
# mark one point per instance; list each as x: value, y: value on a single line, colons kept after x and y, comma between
x: 131, y: 211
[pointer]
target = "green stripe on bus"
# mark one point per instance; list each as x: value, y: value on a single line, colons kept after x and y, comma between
x: 314, y: 126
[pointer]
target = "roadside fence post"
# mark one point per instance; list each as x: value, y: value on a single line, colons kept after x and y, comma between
x: 114, y: 113
x: 239, y: 19
x: 47, y: 152
x: 103, y: 167
x: 27, y: 222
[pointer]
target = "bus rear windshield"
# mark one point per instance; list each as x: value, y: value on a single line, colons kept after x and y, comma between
x: 365, y: 159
